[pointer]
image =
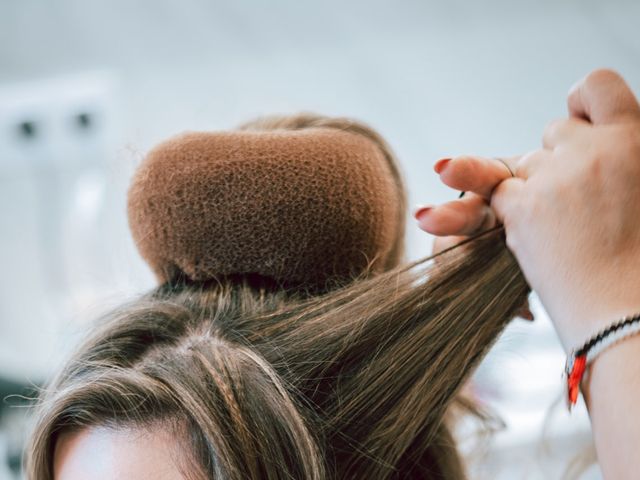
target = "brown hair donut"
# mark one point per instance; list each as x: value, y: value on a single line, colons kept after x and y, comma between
x: 298, y: 200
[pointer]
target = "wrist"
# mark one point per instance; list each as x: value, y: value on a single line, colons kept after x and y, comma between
x: 582, y: 357
x: 579, y: 316
x: 610, y: 392
x: 615, y: 369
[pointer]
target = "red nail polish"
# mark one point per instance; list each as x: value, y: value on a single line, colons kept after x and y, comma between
x: 526, y: 315
x: 421, y: 211
x: 441, y: 164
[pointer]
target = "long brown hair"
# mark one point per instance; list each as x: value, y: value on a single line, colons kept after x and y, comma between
x: 262, y: 382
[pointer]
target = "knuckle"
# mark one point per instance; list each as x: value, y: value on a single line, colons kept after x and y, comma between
x: 521, y: 169
x: 599, y: 164
x: 630, y: 137
x: 510, y: 239
x: 626, y: 159
x: 525, y: 170
x: 556, y: 122
x: 553, y: 127
x: 528, y: 156
x: 551, y: 191
x: 526, y: 161
x: 601, y: 76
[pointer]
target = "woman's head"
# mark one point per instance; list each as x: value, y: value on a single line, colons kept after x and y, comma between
x: 202, y: 206
x: 169, y: 374
x: 237, y: 376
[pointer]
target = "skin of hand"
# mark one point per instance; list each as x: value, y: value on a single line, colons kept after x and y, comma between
x: 572, y: 220
x: 571, y: 214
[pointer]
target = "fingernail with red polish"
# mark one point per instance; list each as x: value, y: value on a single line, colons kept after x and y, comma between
x: 526, y: 315
x: 421, y: 210
x: 441, y: 164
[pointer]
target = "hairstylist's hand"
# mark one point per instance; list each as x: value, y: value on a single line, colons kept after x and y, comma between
x: 454, y: 221
x: 572, y: 217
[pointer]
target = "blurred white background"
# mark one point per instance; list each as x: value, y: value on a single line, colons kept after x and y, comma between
x: 87, y: 87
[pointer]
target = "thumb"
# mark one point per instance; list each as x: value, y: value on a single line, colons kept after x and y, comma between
x: 603, y: 97
x: 506, y: 199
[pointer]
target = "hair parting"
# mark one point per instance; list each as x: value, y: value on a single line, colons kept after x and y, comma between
x: 272, y: 384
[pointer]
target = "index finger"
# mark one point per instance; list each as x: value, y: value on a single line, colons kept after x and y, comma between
x: 479, y: 175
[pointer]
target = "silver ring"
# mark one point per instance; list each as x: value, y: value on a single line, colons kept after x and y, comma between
x: 506, y: 165
x: 513, y: 175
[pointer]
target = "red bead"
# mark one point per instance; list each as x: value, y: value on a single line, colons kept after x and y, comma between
x: 579, y: 366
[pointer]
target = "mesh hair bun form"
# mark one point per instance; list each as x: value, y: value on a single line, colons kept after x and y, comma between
x: 301, y: 207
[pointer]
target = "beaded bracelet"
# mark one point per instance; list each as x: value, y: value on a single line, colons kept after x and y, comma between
x: 579, y: 359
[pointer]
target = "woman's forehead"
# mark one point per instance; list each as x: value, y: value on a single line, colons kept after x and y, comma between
x: 103, y: 453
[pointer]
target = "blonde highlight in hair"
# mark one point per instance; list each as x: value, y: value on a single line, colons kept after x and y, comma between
x: 279, y: 384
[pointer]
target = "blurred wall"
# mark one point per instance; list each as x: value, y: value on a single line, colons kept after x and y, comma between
x: 436, y: 78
